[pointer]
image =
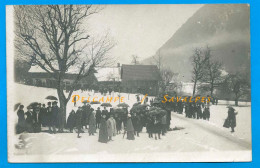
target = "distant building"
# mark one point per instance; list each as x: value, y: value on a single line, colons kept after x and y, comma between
x: 39, y: 77
x: 140, y: 79
x: 109, y: 78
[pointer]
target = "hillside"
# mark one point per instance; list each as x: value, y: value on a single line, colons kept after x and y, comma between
x: 224, y: 27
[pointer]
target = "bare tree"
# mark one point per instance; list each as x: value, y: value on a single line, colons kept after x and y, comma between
x: 238, y: 84
x: 198, y: 61
x: 212, y: 72
x: 53, y: 37
x: 135, y: 59
x: 158, y: 60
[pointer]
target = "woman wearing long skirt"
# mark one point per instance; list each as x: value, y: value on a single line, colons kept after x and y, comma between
x: 129, y: 128
x: 103, y: 135
x: 92, y: 123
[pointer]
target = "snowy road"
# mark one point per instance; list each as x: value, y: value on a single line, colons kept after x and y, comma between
x: 209, y: 136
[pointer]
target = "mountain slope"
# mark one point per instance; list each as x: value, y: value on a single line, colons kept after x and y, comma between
x: 225, y: 28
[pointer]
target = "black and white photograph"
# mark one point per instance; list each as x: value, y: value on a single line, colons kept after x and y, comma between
x: 128, y: 83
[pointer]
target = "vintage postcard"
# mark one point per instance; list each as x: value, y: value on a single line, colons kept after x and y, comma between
x: 129, y: 83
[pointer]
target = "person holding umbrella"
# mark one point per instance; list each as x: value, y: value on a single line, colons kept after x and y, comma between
x: 105, y: 112
x: 48, y: 116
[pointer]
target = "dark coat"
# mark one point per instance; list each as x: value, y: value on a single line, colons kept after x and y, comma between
x: 157, y: 126
x: 48, y: 116
x: 79, y: 118
x: 118, y: 123
x: 44, y: 118
x: 84, y: 119
x: 21, y: 126
x: 71, y: 122
x: 21, y: 118
x: 92, y: 123
x: 136, y: 120
x: 29, y: 121
x: 98, y: 116
x: 232, y: 117
x: 105, y: 112
x: 103, y: 135
x: 55, y: 116
x: 129, y: 125
x: 149, y: 125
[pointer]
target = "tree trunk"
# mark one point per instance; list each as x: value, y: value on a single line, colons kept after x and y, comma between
x: 211, y: 90
x: 194, y: 87
x: 63, y: 105
x: 236, y: 100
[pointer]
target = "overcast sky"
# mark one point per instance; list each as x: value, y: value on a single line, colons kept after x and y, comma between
x: 140, y: 29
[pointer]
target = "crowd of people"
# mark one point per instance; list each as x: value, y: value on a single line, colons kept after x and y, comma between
x: 111, y: 123
x: 85, y: 118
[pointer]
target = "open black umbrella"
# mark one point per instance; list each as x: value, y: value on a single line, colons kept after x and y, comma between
x: 51, y: 98
x: 16, y: 106
x: 106, y: 105
x: 33, y: 104
x: 95, y: 102
x: 85, y: 101
x: 124, y: 105
x: 136, y: 103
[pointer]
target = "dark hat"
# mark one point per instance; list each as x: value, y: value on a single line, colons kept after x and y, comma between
x: 29, y: 107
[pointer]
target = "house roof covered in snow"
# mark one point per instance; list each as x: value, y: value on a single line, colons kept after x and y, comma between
x: 140, y: 72
x: 37, y: 69
x: 108, y: 74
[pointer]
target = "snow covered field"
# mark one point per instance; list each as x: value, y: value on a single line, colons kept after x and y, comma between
x: 199, y: 140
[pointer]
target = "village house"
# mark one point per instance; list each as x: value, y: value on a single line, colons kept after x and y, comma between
x: 142, y: 79
x: 39, y: 77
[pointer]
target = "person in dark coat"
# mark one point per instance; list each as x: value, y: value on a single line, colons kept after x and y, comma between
x: 92, y: 123
x: 118, y: 123
x: 163, y: 124
x: 21, y: 120
x: 29, y: 120
x: 71, y: 122
x: 105, y: 112
x: 149, y: 126
x: 84, y: 115
x: 129, y: 128
x: 79, y: 120
x: 157, y: 127
x: 98, y: 117
x: 43, y: 112
x: 48, y: 116
x: 37, y: 119
x: 103, y: 135
x: 232, y: 118
x: 206, y: 114
x: 54, y: 116
x: 168, y: 119
x: 136, y: 120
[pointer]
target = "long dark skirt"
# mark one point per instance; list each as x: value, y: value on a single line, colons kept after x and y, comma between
x: 130, y: 135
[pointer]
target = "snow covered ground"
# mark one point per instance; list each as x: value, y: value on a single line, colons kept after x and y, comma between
x: 193, y: 140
